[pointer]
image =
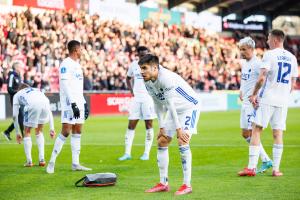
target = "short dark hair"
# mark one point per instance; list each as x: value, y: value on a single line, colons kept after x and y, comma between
x: 72, y: 45
x: 141, y: 48
x: 278, y: 33
x: 22, y: 86
x: 149, y: 59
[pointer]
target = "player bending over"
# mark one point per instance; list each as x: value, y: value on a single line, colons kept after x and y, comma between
x: 36, y: 113
x: 170, y: 91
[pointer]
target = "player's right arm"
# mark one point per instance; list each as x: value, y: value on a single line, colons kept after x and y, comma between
x: 129, y: 85
x: 242, y: 83
x: 129, y: 79
x: 51, y: 122
x: 241, y: 95
x: 159, y: 109
x: 65, y: 81
x: 10, y: 85
x: 16, y: 107
x: 66, y: 75
x: 264, y: 68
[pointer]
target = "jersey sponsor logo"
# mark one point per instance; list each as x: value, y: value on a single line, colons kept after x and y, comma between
x: 186, y: 96
x: 79, y: 76
x: 63, y: 70
x: 160, y: 96
x: 246, y: 76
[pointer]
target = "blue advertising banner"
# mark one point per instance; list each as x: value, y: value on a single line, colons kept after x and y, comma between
x: 161, y: 14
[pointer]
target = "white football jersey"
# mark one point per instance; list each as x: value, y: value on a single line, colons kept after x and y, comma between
x: 250, y: 73
x: 282, y: 67
x: 171, y: 86
x: 29, y: 97
x: 139, y: 89
x: 71, y: 84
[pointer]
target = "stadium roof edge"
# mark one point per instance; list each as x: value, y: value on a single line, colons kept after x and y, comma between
x: 242, y: 7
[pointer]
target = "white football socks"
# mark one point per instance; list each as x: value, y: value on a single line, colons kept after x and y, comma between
x: 75, y: 146
x: 40, y: 141
x: 253, y: 156
x: 27, y: 147
x: 163, y: 164
x: 186, y: 161
x: 148, y: 140
x: 59, y: 142
x: 262, y: 153
x: 128, y: 141
x: 277, y: 154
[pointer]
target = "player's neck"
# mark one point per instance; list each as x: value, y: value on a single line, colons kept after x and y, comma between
x: 278, y: 46
x: 154, y: 77
x: 250, y: 58
x: 73, y: 57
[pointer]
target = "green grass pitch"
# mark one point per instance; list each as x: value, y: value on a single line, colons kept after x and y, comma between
x: 219, y: 152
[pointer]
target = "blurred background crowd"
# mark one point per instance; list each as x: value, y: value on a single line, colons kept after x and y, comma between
x: 38, y: 42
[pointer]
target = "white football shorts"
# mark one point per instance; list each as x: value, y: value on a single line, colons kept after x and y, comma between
x: 141, y: 110
x: 35, y: 115
x: 245, y: 117
x: 188, y: 120
x: 68, y: 118
x: 266, y: 114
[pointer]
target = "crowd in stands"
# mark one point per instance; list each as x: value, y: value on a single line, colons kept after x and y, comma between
x: 38, y: 41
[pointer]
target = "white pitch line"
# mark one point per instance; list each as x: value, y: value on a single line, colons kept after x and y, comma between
x: 173, y: 145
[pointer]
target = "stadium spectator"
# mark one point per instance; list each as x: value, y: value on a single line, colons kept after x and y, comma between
x: 38, y: 41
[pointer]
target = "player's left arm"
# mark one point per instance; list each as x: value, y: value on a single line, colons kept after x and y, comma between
x: 169, y: 86
x: 184, y: 137
x: 294, y: 74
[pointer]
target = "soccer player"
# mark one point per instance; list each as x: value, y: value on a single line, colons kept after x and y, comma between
x: 141, y: 108
x: 36, y: 113
x: 13, y: 83
x: 74, y: 110
x: 250, y: 71
x: 169, y: 91
x: 277, y: 78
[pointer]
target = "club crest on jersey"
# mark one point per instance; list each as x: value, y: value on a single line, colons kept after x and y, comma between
x: 63, y: 70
